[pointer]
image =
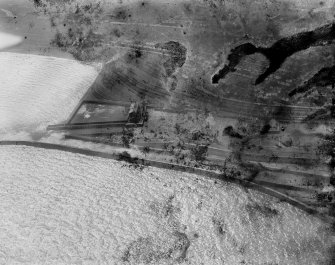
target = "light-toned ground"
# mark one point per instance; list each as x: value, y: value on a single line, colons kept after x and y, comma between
x: 37, y: 91
x: 63, y: 208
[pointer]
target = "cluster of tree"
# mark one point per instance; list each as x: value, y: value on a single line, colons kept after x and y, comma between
x: 127, y: 137
x: 327, y: 149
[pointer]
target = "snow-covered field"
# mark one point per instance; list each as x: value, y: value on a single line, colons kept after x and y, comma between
x: 8, y: 40
x: 36, y: 91
x: 63, y: 208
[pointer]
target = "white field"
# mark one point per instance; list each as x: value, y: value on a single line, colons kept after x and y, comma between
x: 36, y: 91
x: 8, y: 40
x: 64, y: 208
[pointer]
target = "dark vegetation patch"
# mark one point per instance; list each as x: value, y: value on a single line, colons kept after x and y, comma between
x: 171, y: 246
x: 127, y: 137
x: 327, y: 197
x: 222, y: 230
x: 44, y: 3
x: 154, y: 250
x: 125, y: 156
x: 332, y: 108
x: 146, y: 150
x: 134, y: 55
x: 248, y: 170
x: 236, y: 165
x: 282, y: 113
x: 82, y: 45
x: 121, y: 14
x: 38, y: 3
x: 77, y: 31
x: 133, y: 162
x: 324, y: 78
x: 220, y: 226
x: 331, y: 258
x: 174, y: 83
x: 199, y: 152
x: 249, y: 127
x: 327, y: 150
x: 230, y: 170
x: 278, y: 52
x: 189, y: 146
x: 117, y: 32
x: 265, y: 129
x: 321, y: 115
x: 198, y: 135
x: 248, y: 18
x: 176, y: 56
x: 306, y: 246
x: 229, y: 130
x: 255, y: 209
x: 331, y: 210
x: 83, y: 29
x: 188, y: 9
x: 165, y: 209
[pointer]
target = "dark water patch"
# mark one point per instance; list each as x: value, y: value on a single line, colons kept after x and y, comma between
x: 325, y: 77
x: 278, y: 52
x: 234, y: 58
